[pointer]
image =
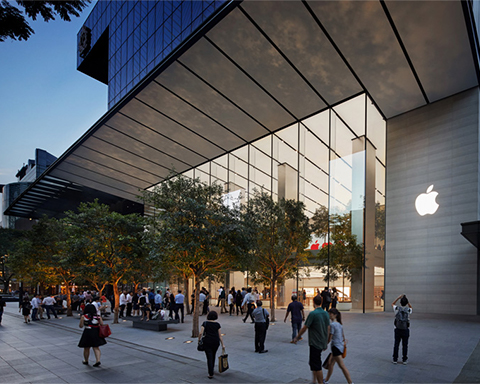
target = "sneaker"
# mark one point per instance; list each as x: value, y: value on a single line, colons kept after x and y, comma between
x: 394, y: 361
x: 405, y: 362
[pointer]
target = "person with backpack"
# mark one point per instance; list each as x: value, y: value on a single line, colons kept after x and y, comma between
x: 402, y: 324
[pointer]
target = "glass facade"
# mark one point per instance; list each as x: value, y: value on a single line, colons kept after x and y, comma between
x: 141, y: 34
x: 334, y: 160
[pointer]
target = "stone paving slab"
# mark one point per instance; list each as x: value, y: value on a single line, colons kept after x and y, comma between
x: 439, y: 349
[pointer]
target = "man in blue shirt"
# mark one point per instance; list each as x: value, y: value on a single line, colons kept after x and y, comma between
x: 296, y: 309
x: 179, y: 299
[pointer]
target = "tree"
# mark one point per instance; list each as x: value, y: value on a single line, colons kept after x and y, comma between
x: 280, y: 233
x: 44, y: 256
x: 343, y: 255
x: 196, y: 234
x: 110, y: 244
x: 13, y: 24
x: 8, y: 243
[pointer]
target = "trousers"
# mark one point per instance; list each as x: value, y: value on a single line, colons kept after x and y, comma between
x: 401, y: 335
x: 210, y: 353
x: 260, y: 335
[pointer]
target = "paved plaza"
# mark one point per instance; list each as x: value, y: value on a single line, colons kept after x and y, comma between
x: 442, y: 349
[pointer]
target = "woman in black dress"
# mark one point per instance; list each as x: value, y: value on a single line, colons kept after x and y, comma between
x: 211, y: 340
x: 90, y: 337
x: 25, y: 307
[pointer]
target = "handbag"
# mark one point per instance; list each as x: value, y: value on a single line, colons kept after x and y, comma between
x: 326, y: 363
x: 201, y: 346
x: 267, y: 319
x: 223, y: 362
x: 344, y: 354
x: 104, y: 331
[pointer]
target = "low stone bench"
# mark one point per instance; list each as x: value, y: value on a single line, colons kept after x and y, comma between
x: 152, y: 325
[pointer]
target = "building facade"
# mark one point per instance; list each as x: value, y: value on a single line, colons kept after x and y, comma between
x: 366, y: 109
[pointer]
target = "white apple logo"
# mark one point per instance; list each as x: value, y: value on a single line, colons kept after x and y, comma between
x: 425, y: 202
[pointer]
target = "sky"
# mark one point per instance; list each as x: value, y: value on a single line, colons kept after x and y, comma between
x: 44, y: 101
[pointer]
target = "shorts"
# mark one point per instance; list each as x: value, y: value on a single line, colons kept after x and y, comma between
x: 336, y: 351
x: 315, y: 359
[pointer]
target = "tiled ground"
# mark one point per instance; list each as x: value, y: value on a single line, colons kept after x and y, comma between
x: 47, y: 352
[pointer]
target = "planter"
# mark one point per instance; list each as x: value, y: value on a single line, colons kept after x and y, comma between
x: 344, y: 306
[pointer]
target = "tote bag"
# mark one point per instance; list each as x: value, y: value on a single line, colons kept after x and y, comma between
x: 104, y: 331
x: 223, y: 361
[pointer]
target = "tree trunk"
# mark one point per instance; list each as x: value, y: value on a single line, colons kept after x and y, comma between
x: 69, y: 299
x: 196, y: 312
x: 272, y: 298
x: 117, y: 302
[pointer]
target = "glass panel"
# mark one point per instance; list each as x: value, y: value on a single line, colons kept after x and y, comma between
x: 341, y: 140
x: 238, y: 166
x: 284, y: 153
x: 239, y: 38
x: 260, y: 178
x: 260, y: 161
x: 289, y: 135
x: 316, y: 152
x: 353, y: 113
x: 298, y: 36
x: 203, y: 176
x: 320, y: 125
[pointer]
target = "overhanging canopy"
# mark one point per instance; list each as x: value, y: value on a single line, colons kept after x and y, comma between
x: 257, y: 67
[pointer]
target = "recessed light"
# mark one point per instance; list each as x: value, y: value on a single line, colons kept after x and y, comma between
x: 188, y: 342
x: 169, y: 338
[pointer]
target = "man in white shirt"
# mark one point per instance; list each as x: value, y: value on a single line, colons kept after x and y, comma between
x: 201, y: 299
x: 220, y: 290
x: 179, y: 299
x: 249, y: 300
x: 35, y: 304
x: 123, y: 303
x: 49, y: 302
x: 129, y: 303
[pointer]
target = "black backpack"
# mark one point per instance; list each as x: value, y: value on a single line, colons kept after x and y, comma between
x: 401, y: 318
x: 143, y: 300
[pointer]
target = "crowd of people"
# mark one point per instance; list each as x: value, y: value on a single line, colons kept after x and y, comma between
x: 323, y: 324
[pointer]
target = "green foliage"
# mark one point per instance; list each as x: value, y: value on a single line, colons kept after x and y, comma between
x: 196, y: 235
x: 13, y: 24
x: 343, y: 255
x: 9, y: 239
x: 280, y: 232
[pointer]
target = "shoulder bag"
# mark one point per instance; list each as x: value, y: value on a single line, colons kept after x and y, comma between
x: 201, y: 346
x: 223, y: 361
x: 104, y: 331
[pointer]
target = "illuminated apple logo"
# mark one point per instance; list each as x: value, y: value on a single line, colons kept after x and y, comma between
x: 425, y: 203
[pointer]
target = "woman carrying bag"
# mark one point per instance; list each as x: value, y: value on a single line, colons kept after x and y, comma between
x: 91, y: 334
x: 211, y: 337
x: 338, y: 345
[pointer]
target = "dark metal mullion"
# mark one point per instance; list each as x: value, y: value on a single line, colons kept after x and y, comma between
x: 119, y: 160
x: 283, y: 55
x: 200, y: 111
x: 108, y: 167
x: 132, y: 153
x: 147, y: 145
x: 339, y: 52
x: 404, y: 49
x: 223, y: 95
x: 162, y: 135
x: 100, y: 183
x: 100, y: 174
x: 182, y: 125
x: 250, y: 77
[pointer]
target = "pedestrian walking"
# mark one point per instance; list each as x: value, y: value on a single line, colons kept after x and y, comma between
x: 326, y: 299
x: 238, y: 302
x: 231, y: 301
x: 129, y: 303
x: 318, y: 326
x: 35, y: 304
x: 179, y: 306
x: 91, y: 322
x: 295, y: 308
x: 334, y: 297
x: 212, y: 338
x: 261, y: 319
x: 25, y: 308
x: 123, y: 303
x: 338, y: 343
x: 249, y: 300
x: 2, y: 306
x: 402, y: 324
x: 49, y: 303
x: 223, y: 308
